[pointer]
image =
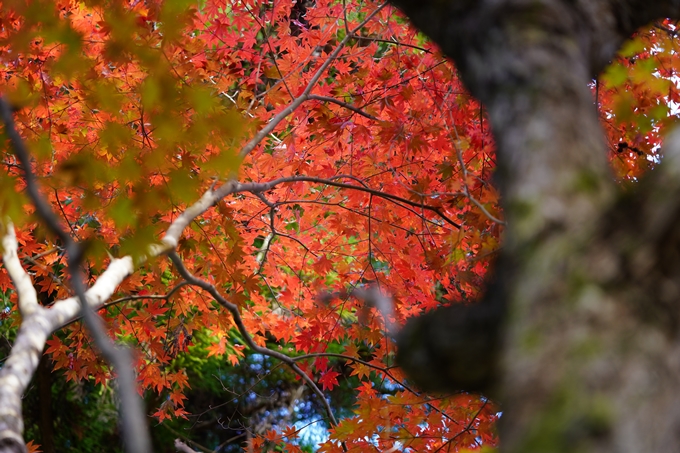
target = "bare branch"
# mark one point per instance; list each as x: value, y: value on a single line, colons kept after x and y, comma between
x: 396, y: 43
x: 265, y: 186
x: 181, y: 446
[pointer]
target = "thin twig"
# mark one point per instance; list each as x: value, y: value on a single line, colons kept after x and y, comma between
x: 265, y: 186
x: 396, y: 43
x: 315, y: 97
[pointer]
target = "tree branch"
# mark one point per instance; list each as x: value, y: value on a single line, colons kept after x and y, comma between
x: 265, y: 186
x: 22, y: 362
x: 133, y: 420
x: 236, y: 315
x: 28, y: 297
x: 315, y: 97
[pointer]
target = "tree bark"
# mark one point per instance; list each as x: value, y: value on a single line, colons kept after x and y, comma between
x: 585, y: 296
x: 46, y: 418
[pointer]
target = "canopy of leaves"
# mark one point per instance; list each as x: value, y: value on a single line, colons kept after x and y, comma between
x: 375, y: 168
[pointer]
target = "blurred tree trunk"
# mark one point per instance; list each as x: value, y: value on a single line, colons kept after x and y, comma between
x: 578, y: 336
x: 46, y: 418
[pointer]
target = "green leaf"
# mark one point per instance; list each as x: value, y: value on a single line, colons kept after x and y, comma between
x: 615, y: 75
x: 123, y: 213
x: 137, y: 245
x: 182, y: 185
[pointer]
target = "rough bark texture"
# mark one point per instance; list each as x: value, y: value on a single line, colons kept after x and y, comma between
x: 588, y: 354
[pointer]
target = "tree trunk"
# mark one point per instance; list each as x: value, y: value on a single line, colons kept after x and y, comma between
x: 586, y: 293
x: 46, y: 418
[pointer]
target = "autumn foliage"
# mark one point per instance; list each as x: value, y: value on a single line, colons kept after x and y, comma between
x: 360, y: 161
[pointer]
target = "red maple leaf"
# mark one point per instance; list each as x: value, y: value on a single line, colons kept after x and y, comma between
x: 329, y: 380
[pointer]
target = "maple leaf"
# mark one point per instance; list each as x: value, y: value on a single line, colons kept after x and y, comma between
x: 177, y: 399
x: 345, y: 428
x: 180, y: 378
x: 180, y: 412
x: 218, y: 348
x: 360, y: 370
x: 329, y: 380
x: 323, y: 265
x: 305, y: 341
x: 272, y: 435
x: 33, y: 447
x: 55, y: 346
x: 290, y: 432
